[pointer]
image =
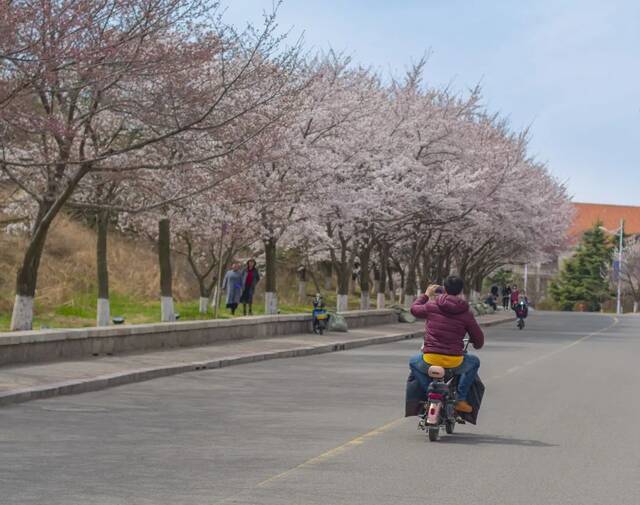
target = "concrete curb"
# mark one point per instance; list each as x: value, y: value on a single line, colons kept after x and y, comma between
x: 77, y: 386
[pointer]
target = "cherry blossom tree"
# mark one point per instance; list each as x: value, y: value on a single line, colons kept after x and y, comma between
x: 630, y: 272
x: 89, y: 87
x: 293, y: 171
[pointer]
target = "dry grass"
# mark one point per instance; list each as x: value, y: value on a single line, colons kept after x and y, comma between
x: 68, y: 267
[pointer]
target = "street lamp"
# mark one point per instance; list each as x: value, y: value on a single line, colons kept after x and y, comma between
x: 620, y: 230
x: 618, y: 300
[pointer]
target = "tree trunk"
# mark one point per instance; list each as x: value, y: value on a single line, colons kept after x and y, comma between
x: 343, y: 266
x: 411, y: 285
x: 365, y: 266
x: 203, y: 304
x: 635, y: 306
x: 270, y: 296
x: 27, y: 277
x: 381, y: 284
x: 314, y: 278
x: 343, y: 287
x: 205, y: 294
x: 426, y: 271
x: 302, y: 291
x: 164, y: 256
x: 327, y: 271
x: 103, y: 317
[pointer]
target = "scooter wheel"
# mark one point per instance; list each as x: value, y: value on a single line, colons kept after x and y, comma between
x: 449, y: 427
x: 434, y: 434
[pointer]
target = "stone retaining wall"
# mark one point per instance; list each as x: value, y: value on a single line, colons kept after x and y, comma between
x: 49, y: 345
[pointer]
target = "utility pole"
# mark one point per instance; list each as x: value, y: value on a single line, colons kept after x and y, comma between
x: 618, y: 299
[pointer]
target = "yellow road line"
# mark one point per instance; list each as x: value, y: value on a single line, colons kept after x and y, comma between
x: 359, y: 440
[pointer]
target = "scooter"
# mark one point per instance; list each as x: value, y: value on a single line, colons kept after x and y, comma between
x: 439, y: 409
x: 319, y: 314
x: 522, y: 311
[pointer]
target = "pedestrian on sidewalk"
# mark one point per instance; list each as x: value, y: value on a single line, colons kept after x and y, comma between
x: 515, y: 296
x: 232, y: 283
x: 506, y: 297
x: 250, y: 278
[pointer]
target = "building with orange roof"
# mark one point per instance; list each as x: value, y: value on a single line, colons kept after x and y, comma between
x: 585, y: 217
x: 588, y: 214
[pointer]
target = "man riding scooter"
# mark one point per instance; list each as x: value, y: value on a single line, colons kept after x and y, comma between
x: 448, y: 320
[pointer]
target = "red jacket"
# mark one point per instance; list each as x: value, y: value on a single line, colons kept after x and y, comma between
x: 448, y: 321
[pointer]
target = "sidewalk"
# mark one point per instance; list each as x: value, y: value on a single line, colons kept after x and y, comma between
x: 31, y: 382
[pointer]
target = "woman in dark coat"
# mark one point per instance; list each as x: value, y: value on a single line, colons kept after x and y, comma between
x: 250, y: 278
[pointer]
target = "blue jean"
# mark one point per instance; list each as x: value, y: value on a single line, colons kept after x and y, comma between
x: 468, y: 371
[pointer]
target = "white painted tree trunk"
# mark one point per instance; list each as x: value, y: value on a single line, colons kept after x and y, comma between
x: 167, y: 310
x: 22, y: 317
x: 365, y: 302
x: 302, y: 291
x: 380, y: 301
x: 204, y: 305
x: 104, y: 312
x: 342, y: 304
x: 635, y: 307
x: 408, y: 301
x: 270, y: 303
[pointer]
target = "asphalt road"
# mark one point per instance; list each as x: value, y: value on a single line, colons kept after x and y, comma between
x: 558, y: 426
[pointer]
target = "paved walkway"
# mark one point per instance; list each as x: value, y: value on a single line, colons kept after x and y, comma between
x: 30, y: 382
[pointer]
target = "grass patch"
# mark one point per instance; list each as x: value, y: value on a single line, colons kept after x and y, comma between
x: 80, y: 311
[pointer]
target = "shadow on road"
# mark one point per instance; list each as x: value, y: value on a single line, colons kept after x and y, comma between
x: 473, y: 439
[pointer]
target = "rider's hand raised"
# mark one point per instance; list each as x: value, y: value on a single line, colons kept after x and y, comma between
x: 431, y: 291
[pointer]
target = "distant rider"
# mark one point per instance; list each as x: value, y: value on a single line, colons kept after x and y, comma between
x: 448, y: 321
x: 522, y: 308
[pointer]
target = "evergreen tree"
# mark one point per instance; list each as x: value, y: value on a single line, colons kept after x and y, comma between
x: 583, y: 277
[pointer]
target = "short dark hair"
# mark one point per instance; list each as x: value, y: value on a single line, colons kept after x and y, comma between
x: 453, y: 285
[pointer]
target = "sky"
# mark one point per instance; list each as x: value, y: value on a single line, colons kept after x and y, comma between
x: 569, y: 70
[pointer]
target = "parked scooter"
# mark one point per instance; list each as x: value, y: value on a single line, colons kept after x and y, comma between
x: 320, y: 315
